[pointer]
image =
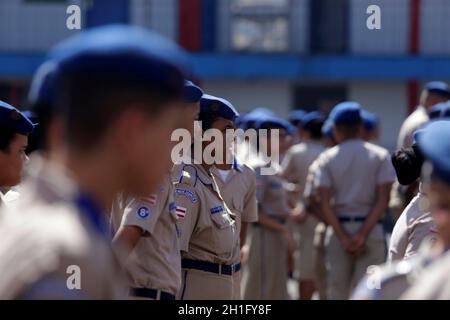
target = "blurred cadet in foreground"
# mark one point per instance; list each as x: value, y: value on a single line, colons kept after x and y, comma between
x: 146, y: 227
x: 415, y: 223
x: 117, y: 93
x: 415, y: 242
x: 14, y: 130
x: 434, y: 143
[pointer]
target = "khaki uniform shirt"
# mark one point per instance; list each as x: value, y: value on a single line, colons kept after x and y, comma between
x: 272, y: 197
x: 298, y: 160
x: 353, y: 170
x: 56, y: 244
x: 414, y: 121
x: 239, y: 193
x: 391, y: 280
x: 208, y: 230
x: 434, y: 284
x: 155, y: 262
x: 413, y: 226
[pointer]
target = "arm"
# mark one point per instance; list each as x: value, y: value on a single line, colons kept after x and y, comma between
x: 243, y: 233
x: 372, y: 219
x: 331, y: 217
x: 399, y: 239
x: 126, y: 238
x: 271, y: 223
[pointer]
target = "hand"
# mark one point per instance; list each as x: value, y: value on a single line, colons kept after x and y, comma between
x: 346, y: 242
x: 299, y: 215
x: 244, y: 254
x: 358, y: 244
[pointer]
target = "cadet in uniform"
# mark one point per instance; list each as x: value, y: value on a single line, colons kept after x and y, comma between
x: 434, y: 144
x: 265, y: 274
x: 118, y: 92
x: 237, y: 184
x: 14, y: 131
x: 312, y: 204
x: 433, y: 93
x: 208, y: 231
x: 295, y: 169
x: 148, y: 229
x: 393, y: 279
x: 416, y: 222
x: 358, y: 175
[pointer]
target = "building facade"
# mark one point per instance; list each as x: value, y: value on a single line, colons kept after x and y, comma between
x: 279, y: 54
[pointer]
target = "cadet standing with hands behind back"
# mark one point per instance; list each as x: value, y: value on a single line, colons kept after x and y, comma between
x: 358, y: 175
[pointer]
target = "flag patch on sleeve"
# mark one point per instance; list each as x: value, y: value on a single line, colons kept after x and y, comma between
x: 151, y: 199
x: 180, y: 211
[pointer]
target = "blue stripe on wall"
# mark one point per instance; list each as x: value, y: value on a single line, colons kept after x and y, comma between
x: 288, y: 67
x: 106, y: 11
x: 209, y: 14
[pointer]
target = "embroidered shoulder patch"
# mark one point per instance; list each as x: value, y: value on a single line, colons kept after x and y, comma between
x: 143, y: 212
x: 186, y: 193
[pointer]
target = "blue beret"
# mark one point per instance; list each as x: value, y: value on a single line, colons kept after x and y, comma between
x: 369, y: 119
x: 221, y: 107
x: 14, y: 119
x: 30, y: 115
x: 416, y: 134
x: 192, y: 93
x: 263, y: 112
x: 295, y: 116
x: 250, y: 120
x: 311, y: 117
x: 130, y: 52
x: 270, y: 122
x: 327, y: 129
x: 43, y: 87
x: 434, y: 142
x: 346, y: 113
x: 446, y: 110
x: 438, y: 87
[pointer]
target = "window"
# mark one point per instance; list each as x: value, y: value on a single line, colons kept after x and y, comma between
x: 260, y: 25
x: 328, y: 26
x: 319, y: 97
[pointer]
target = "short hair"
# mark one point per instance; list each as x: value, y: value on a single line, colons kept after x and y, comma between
x: 90, y: 103
x: 6, y: 136
x: 315, y: 129
x: 349, y: 130
x: 407, y: 163
x: 207, y: 119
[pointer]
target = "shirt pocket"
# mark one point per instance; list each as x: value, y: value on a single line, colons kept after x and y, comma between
x: 237, y: 206
x: 224, y: 229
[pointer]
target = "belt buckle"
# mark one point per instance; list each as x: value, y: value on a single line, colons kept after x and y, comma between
x: 220, y: 269
x: 158, y: 294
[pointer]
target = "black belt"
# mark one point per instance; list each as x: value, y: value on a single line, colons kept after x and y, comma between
x: 151, y: 293
x: 210, y: 267
x: 353, y: 219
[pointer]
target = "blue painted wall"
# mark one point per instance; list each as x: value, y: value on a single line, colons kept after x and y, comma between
x: 107, y: 11
x: 288, y: 67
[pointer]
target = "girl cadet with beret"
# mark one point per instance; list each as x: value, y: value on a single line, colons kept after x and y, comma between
x: 208, y: 233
